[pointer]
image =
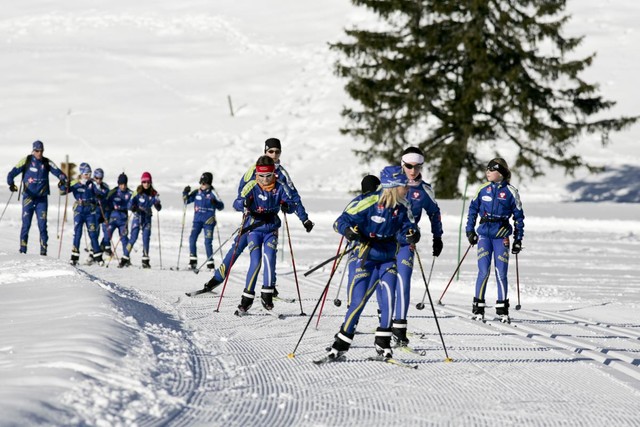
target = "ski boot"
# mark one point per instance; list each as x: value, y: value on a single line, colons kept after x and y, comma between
x: 107, y: 250
x: 97, y: 258
x: 246, y: 302
x: 266, y: 298
x: 212, y: 284
x: 275, y: 292
x: 43, y: 251
x: 477, y: 309
x: 399, y: 330
x: 341, y: 344
x: 193, y: 262
x: 145, y: 262
x: 75, y: 257
x: 383, y: 342
x: 211, y: 265
x: 502, y: 310
x: 124, y: 262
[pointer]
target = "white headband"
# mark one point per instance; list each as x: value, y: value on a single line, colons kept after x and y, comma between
x: 413, y: 158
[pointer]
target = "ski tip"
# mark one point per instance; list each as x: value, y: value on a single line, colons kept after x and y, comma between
x: 448, y: 360
x: 291, y: 355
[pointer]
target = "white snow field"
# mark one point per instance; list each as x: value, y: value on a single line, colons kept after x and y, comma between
x: 145, y: 86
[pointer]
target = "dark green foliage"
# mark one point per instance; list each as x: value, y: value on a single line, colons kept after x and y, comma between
x: 452, y: 75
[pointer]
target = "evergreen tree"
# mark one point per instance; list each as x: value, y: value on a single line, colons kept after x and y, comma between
x: 453, y: 76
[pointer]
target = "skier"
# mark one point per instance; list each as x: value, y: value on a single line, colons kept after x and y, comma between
x: 495, y: 203
x: 117, y: 202
x: 262, y: 199
x: 35, y: 169
x: 85, y: 213
x: 144, y: 198
x: 205, y: 202
x: 374, y: 223
x: 272, y: 149
x: 103, y: 210
x: 420, y: 197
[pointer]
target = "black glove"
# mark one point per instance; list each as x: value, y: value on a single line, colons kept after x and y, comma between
x: 247, y: 202
x: 285, y: 208
x: 308, y: 225
x: 61, y: 184
x: 437, y: 246
x: 413, y: 236
x: 186, y: 190
x: 516, y: 247
x: 352, y: 233
x: 158, y: 206
x: 472, y: 236
x: 13, y: 188
x: 134, y: 209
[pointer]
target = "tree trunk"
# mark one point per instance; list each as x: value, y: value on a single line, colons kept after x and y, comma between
x: 446, y: 179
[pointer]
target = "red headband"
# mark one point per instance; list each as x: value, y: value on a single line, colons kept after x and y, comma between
x: 265, y: 168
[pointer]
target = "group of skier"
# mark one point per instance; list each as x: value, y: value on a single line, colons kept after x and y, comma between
x: 381, y: 226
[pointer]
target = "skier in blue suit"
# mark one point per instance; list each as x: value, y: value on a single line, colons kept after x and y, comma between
x: 205, y: 203
x: 35, y: 169
x: 117, y: 202
x: 374, y: 223
x: 495, y: 203
x: 103, y: 210
x: 142, y: 201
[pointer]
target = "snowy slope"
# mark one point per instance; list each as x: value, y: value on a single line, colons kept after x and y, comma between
x: 145, y: 86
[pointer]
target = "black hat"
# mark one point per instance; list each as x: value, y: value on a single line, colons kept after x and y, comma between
x: 499, y: 164
x: 272, y: 143
x: 369, y: 183
x: 206, y: 178
x: 122, y: 179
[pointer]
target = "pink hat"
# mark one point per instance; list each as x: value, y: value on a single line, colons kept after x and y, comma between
x: 146, y: 176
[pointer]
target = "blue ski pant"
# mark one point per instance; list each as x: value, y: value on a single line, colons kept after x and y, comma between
x: 84, y: 217
x: 196, y: 229
x: 404, y: 265
x: 498, y: 249
x: 263, y: 247
x: 143, y: 223
x: 120, y: 223
x: 39, y: 206
x: 231, y: 256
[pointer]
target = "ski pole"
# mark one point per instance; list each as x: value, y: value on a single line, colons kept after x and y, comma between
x: 58, y: 219
x: 159, y: 241
x: 327, y: 261
x: 184, y: 216
x: 6, y: 206
x: 518, y: 306
x: 324, y: 291
x: 337, y: 302
x: 293, y: 263
x: 197, y: 269
x: 233, y: 258
x: 109, y: 232
x: 64, y: 220
x: 20, y: 190
x: 219, y: 243
x: 126, y: 227
x: 433, y: 309
x: 454, y: 275
x: 420, y: 305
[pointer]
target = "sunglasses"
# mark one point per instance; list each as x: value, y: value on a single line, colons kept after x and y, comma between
x: 37, y: 151
x: 410, y: 166
x: 146, y: 182
x: 274, y: 151
x: 493, y: 168
x: 265, y: 175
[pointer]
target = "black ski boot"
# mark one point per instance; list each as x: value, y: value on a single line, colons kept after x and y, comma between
x: 502, y: 310
x: 247, y: 301
x: 145, y: 262
x: 212, y: 284
x: 266, y: 298
x: 97, y: 258
x: 193, y: 262
x: 75, y: 257
x: 383, y: 342
x: 275, y: 292
x: 341, y: 344
x: 399, y: 329
x: 478, y: 309
x: 107, y: 250
x: 211, y: 265
x: 124, y: 262
x: 43, y: 251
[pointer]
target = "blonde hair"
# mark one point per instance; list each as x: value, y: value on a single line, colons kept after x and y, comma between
x: 390, y: 197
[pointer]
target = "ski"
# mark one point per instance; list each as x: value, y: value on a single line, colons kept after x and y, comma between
x: 198, y: 292
x: 410, y: 350
x: 327, y: 359
x: 392, y: 361
x: 274, y: 314
x: 287, y: 300
x: 270, y: 313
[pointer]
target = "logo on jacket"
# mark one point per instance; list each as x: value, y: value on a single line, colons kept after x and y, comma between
x: 378, y: 219
x: 34, y: 169
x: 415, y: 195
x: 487, y: 198
x: 502, y: 195
x: 262, y: 197
x: 489, y: 189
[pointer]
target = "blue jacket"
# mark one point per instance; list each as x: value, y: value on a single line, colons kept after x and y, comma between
x: 36, y: 175
x: 263, y: 205
x: 495, y: 204
x: 86, y: 195
x: 102, y: 192
x: 421, y: 197
x: 283, y: 177
x: 379, y: 225
x: 142, y: 202
x: 117, y: 202
x: 205, y: 203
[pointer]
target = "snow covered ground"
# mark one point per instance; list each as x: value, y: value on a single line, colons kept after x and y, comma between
x: 145, y: 86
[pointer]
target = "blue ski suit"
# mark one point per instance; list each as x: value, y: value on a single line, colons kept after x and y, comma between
x: 262, y: 208
x: 85, y: 212
x: 421, y: 198
x: 205, y: 203
x: 375, y: 255
x: 103, y: 214
x: 140, y: 204
x: 117, y: 202
x: 35, y: 185
x: 495, y: 204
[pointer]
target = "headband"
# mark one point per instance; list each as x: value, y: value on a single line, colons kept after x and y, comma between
x: 413, y: 158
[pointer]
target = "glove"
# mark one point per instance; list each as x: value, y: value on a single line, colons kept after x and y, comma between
x: 352, y: 233
x: 517, y: 247
x: 308, y: 225
x: 437, y: 246
x: 158, y: 206
x: 13, y: 188
x: 472, y: 236
x: 186, y: 190
x: 413, y: 236
x: 61, y: 184
x: 134, y: 209
x: 247, y: 202
x: 285, y: 208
